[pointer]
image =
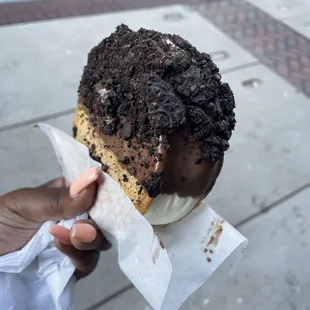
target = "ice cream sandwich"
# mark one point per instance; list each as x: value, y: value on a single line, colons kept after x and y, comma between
x: 154, y: 111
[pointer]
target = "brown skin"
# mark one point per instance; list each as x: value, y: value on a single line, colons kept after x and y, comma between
x: 22, y: 212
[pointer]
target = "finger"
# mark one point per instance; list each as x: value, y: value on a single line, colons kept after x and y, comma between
x: 85, y: 235
x: 84, y: 261
x: 60, y: 233
x: 45, y: 203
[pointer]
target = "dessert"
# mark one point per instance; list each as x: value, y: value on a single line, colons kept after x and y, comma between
x: 154, y: 112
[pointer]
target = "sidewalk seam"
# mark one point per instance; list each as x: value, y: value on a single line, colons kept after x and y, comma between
x: 33, y: 121
x: 273, y: 205
x: 111, y: 297
x: 241, y: 67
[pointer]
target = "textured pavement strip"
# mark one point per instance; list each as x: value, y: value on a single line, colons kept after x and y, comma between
x: 12, y: 13
x: 283, y: 9
x: 273, y: 43
x: 295, y: 14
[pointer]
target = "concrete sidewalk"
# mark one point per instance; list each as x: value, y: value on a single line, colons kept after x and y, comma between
x: 266, y: 168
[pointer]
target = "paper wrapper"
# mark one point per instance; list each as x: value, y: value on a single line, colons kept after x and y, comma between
x: 166, y: 266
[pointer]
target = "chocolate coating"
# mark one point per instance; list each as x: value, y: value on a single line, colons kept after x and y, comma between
x: 161, y: 108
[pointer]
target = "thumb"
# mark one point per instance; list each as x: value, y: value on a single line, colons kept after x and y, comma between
x: 57, y: 203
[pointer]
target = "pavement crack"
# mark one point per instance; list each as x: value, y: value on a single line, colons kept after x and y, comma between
x: 241, y: 67
x: 111, y: 297
x: 272, y: 205
x: 33, y: 121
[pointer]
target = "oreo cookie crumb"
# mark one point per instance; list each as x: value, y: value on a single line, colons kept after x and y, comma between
x: 158, y: 157
x: 127, y: 131
x: 140, y: 190
x: 96, y: 158
x: 153, y: 185
x: 125, y: 178
x: 132, y: 171
x: 198, y: 161
x: 104, y: 167
x: 126, y: 160
x: 145, y: 84
x: 74, y: 131
x: 145, y: 163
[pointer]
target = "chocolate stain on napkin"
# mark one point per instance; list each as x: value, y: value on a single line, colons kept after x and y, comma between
x: 213, y: 236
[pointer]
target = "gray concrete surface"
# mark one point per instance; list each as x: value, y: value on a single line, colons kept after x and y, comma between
x: 40, y: 66
x: 26, y: 156
x: 295, y: 14
x: 300, y: 23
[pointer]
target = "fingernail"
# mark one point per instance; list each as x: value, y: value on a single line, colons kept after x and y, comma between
x: 84, y: 233
x: 83, y: 180
x: 60, y: 233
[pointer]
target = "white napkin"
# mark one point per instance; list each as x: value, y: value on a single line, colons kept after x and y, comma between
x: 166, y: 266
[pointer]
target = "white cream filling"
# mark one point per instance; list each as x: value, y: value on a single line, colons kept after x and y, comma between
x: 166, y: 209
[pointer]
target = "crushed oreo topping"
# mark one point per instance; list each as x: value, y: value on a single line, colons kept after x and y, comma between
x: 153, y: 185
x: 144, y: 84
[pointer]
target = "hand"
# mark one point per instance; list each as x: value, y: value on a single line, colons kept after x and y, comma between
x: 22, y: 212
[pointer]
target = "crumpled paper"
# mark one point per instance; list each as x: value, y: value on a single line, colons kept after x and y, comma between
x: 166, y: 265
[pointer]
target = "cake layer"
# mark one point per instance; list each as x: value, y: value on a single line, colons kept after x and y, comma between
x: 87, y: 134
